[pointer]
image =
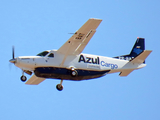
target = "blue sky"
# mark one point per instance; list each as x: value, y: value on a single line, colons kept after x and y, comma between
x: 37, y: 25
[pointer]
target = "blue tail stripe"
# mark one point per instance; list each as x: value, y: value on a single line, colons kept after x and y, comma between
x: 138, y: 48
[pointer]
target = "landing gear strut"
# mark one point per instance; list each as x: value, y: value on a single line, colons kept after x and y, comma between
x: 59, y: 86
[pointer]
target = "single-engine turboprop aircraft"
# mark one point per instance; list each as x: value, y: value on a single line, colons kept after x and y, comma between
x: 69, y: 63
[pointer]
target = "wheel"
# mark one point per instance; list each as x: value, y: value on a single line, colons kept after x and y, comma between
x: 23, y: 78
x: 59, y: 87
x: 74, y: 73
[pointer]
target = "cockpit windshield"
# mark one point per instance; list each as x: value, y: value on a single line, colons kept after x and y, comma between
x: 44, y: 53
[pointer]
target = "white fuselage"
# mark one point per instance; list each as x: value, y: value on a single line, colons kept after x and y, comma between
x: 82, y: 61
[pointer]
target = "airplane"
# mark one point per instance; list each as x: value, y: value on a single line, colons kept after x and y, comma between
x: 69, y: 63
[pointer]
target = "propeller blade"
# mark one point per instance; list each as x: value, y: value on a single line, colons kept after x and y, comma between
x: 13, y: 60
x: 12, y: 52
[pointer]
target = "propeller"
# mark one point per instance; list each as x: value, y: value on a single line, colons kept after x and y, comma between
x: 13, y: 60
x: 12, y: 52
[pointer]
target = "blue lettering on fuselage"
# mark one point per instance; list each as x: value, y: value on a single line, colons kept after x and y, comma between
x: 96, y: 61
x: 113, y: 66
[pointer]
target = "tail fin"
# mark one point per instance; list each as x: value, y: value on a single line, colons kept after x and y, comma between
x: 137, y: 55
x: 138, y: 48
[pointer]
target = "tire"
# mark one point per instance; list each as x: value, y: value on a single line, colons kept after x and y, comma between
x: 23, y: 78
x: 59, y: 87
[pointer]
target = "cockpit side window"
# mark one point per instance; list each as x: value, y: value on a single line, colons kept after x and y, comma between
x: 51, y: 55
x: 44, y: 53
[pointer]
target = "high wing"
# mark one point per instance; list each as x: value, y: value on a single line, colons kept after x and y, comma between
x: 76, y: 44
x: 34, y: 80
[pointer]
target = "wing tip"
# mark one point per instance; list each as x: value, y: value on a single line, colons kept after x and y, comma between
x: 96, y: 19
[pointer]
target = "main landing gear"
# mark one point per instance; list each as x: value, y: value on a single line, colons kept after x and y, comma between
x: 59, y: 86
x: 73, y: 73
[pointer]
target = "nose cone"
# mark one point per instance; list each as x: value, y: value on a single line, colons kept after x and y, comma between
x: 12, y: 60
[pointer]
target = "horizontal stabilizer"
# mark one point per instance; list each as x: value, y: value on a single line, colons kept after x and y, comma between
x: 141, y: 57
x: 34, y: 80
x: 125, y: 73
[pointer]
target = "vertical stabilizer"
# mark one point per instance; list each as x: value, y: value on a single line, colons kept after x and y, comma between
x: 138, y: 47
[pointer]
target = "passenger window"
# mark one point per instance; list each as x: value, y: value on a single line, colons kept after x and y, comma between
x: 51, y: 55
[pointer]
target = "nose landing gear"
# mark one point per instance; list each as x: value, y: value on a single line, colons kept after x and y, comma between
x: 23, y: 78
x: 59, y: 86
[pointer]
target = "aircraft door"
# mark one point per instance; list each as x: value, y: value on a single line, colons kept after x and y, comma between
x: 50, y: 58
